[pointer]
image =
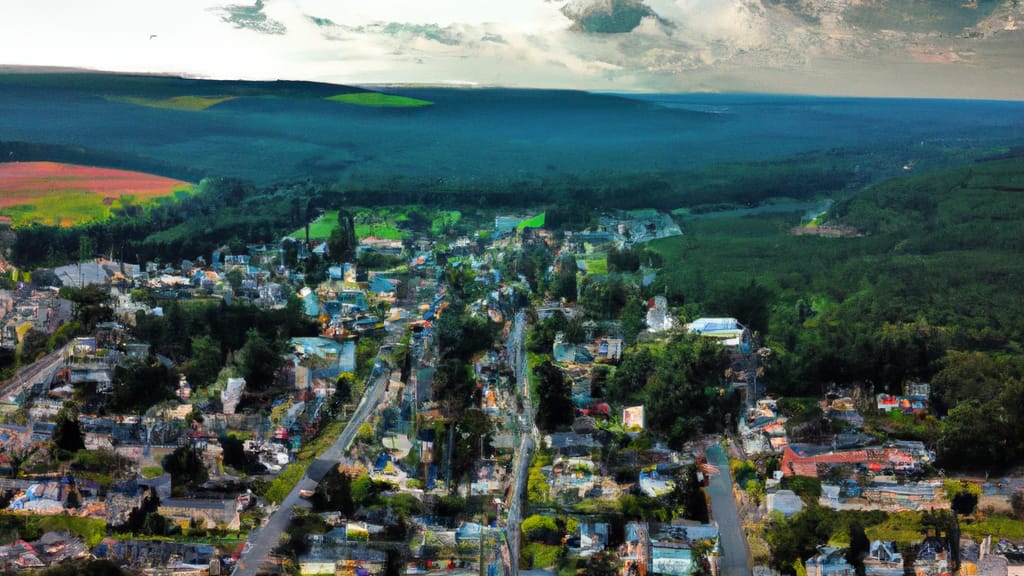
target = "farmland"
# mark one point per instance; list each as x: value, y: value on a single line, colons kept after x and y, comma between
x: 378, y: 100
x: 190, y: 103
x: 67, y: 194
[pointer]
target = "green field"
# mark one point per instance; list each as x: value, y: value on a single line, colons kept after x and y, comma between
x: 535, y: 222
x: 597, y: 266
x: 378, y: 100
x: 321, y: 228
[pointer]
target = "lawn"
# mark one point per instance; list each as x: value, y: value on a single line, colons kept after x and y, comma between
x: 597, y: 266
x: 320, y: 228
x: 535, y: 222
x: 385, y: 231
x: 54, y: 194
x: 188, y: 103
x: 378, y: 100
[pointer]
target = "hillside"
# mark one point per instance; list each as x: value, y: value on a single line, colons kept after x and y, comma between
x: 942, y: 249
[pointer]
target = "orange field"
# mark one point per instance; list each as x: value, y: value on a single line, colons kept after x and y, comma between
x: 67, y: 194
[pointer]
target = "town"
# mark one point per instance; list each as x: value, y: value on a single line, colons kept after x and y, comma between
x: 456, y: 394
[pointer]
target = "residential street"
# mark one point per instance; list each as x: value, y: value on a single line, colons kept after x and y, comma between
x: 265, y: 539
x: 734, y: 560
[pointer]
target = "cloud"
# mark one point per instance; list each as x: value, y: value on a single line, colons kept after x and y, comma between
x: 251, y: 18
x: 607, y: 16
x: 779, y: 45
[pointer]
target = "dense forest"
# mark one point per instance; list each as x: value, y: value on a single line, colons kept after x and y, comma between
x: 925, y: 288
x: 232, y: 211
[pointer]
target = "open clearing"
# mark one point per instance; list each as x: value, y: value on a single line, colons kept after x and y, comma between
x: 191, y: 103
x: 66, y: 194
x: 378, y: 100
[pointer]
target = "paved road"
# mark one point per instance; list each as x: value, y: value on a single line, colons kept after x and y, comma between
x: 263, y: 541
x: 517, y: 356
x: 734, y: 560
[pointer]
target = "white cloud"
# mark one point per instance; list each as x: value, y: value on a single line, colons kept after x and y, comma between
x: 693, y: 43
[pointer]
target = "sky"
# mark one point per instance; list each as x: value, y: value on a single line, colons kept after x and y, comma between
x: 921, y: 48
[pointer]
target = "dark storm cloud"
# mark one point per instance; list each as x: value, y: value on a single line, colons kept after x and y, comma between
x: 607, y: 16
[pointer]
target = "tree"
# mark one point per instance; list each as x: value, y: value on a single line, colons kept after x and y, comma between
x: 206, y: 362
x: 538, y: 528
x: 342, y: 242
x: 260, y: 359
x: 343, y: 387
x: 137, y: 518
x: 688, y: 495
x: 963, y: 496
x: 90, y: 305
x: 859, y: 548
x: 67, y: 432
x: 563, y: 283
x: 755, y: 490
x: 140, y: 384
x: 554, y: 409
x: 334, y: 492
x: 186, y: 467
x: 33, y: 345
x: 365, y: 433
x: 1017, y: 504
x: 73, y: 499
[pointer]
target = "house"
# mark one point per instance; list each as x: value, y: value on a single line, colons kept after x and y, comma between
x: 161, y: 485
x: 593, y: 538
x: 209, y: 512
x: 570, y: 444
x: 383, y: 287
x: 609, y: 350
x: 785, y: 501
x: 728, y: 331
x: 563, y: 351
x: 658, y: 317
x: 671, y: 558
x: 884, y: 552
x: 829, y: 561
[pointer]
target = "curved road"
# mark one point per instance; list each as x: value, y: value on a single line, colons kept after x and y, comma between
x: 734, y: 560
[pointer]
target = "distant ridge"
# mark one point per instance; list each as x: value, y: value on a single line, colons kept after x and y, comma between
x: 131, y: 82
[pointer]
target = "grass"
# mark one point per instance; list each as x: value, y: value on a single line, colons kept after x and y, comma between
x: 320, y: 228
x: 899, y: 527
x: 378, y: 100
x: 444, y: 220
x: 535, y: 222
x: 999, y: 526
x: 323, y: 441
x: 385, y: 231
x: 151, y: 471
x: 285, y: 481
x: 597, y: 266
x: 280, y: 486
x: 91, y: 530
x: 187, y: 103
x: 540, y: 555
